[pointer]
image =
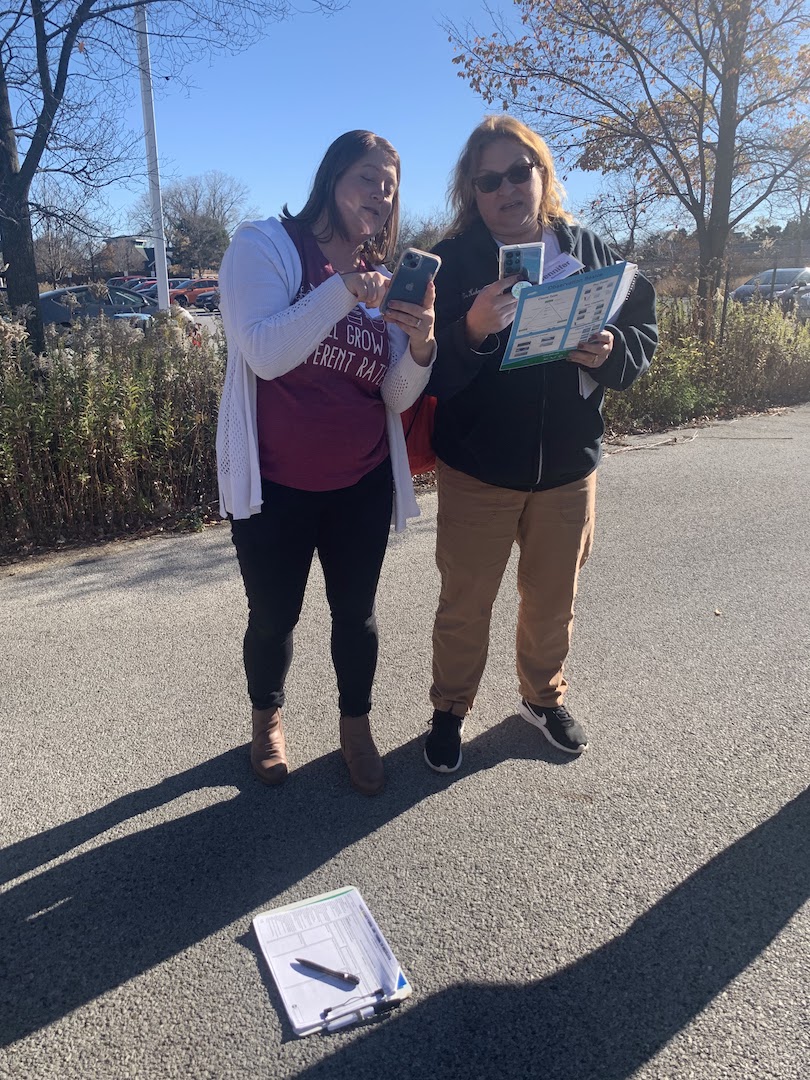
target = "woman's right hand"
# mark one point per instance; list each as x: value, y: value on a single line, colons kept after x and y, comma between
x: 367, y: 287
x: 492, y: 310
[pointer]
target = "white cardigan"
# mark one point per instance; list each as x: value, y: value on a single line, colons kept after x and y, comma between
x: 268, y: 336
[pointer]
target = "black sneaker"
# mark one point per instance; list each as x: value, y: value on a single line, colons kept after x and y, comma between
x: 558, y: 726
x: 443, y: 744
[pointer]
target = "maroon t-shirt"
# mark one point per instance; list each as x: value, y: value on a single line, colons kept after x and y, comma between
x: 322, y: 425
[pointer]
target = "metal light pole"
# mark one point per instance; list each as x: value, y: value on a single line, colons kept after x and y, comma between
x: 147, y: 100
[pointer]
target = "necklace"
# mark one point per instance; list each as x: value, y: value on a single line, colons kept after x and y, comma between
x: 343, y: 262
x: 344, y: 267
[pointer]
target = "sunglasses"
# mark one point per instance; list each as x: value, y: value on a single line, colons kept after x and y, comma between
x: 490, y: 181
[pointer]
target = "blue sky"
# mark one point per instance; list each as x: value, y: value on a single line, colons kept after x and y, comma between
x: 266, y: 115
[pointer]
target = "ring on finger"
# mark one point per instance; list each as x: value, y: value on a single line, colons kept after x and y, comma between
x: 418, y: 324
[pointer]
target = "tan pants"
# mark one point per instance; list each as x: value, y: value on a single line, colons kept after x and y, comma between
x: 477, y: 525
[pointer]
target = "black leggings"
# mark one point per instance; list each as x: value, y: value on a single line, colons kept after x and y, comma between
x: 349, y: 530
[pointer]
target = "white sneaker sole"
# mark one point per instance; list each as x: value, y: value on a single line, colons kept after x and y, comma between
x: 447, y: 768
x: 444, y: 768
x: 540, y: 723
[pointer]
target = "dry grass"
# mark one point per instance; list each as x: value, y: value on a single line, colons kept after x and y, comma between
x: 111, y: 433
x: 114, y: 432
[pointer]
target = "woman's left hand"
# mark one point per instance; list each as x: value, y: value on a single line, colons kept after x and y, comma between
x: 594, y: 352
x: 417, y: 321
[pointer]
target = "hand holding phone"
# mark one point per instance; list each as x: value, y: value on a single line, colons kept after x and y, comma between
x: 492, y: 311
x: 409, y: 300
x: 415, y: 269
x: 523, y: 260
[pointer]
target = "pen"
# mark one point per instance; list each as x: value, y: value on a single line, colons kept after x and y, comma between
x: 356, y: 1016
x: 344, y: 976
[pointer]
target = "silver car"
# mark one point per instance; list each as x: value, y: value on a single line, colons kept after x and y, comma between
x: 62, y: 306
x: 775, y: 284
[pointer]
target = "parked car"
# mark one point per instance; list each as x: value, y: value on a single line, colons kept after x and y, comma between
x: 62, y: 306
x: 772, y: 284
x: 187, y: 294
x: 801, y: 304
x: 208, y: 300
x: 151, y: 289
x: 129, y: 280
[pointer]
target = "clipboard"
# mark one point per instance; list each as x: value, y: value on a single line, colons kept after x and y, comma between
x: 338, y: 931
x: 553, y: 318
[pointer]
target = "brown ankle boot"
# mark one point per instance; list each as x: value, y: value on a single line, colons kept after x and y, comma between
x: 268, y: 751
x: 360, y: 754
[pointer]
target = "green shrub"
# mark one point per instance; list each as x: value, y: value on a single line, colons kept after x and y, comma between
x: 112, y: 432
x: 756, y: 358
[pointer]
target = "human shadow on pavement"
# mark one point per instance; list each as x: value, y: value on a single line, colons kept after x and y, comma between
x: 511, y: 739
x: 98, y: 918
x: 604, y: 1016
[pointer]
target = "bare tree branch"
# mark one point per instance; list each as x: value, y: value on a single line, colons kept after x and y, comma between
x: 697, y: 95
x: 65, y: 66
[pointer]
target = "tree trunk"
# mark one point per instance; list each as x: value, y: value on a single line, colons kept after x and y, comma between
x: 712, y: 243
x: 15, y: 225
x: 712, y: 251
x: 714, y: 236
x: 18, y: 253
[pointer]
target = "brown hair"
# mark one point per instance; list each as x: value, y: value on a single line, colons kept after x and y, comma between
x: 461, y: 192
x: 345, y: 151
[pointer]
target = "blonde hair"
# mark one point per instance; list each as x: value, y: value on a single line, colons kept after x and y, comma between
x: 461, y: 192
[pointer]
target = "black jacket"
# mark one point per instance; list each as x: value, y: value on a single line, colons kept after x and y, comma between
x: 528, y: 429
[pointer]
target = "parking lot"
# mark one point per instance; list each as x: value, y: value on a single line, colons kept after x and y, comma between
x: 638, y: 913
x: 210, y: 321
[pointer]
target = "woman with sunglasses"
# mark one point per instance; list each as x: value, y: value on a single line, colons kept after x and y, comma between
x: 516, y: 450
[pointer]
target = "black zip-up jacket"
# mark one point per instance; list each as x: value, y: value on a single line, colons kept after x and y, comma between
x: 529, y: 429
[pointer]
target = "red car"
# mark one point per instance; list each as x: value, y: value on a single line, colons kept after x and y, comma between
x: 187, y: 294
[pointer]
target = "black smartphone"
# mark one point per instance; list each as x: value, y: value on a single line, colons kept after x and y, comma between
x: 415, y: 269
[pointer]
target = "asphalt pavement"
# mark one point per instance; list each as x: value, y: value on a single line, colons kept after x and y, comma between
x: 640, y: 911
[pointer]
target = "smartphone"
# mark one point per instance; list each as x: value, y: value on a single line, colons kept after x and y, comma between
x: 525, y: 260
x: 415, y: 269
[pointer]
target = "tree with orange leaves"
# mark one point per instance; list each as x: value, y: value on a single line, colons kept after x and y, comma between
x: 708, y: 99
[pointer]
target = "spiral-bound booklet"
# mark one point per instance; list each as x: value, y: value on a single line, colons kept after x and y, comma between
x: 553, y: 318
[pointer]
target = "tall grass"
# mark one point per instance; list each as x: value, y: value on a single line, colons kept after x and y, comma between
x: 114, y: 431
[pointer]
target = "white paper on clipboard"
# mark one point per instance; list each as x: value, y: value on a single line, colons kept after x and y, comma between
x: 337, y: 930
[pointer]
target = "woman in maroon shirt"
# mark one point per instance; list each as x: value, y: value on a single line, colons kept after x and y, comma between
x: 299, y: 300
